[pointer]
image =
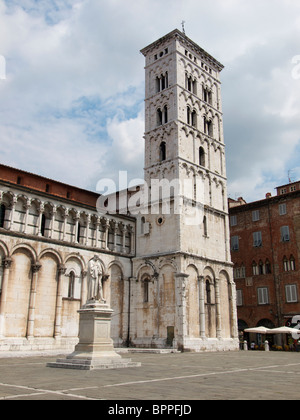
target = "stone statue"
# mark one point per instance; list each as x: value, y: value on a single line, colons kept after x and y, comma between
x: 95, y: 289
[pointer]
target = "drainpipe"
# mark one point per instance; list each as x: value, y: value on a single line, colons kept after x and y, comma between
x: 276, y: 279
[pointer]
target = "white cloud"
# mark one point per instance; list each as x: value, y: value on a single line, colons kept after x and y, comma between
x: 70, y: 107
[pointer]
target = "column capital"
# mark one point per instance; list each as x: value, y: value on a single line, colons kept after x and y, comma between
x: 62, y: 269
x: 6, y: 263
x: 36, y: 267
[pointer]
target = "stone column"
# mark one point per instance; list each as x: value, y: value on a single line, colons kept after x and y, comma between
x: 65, y: 224
x: 77, y: 217
x: 3, y: 298
x: 41, y: 211
x: 233, y: 311
x: 12, y: 213
x: 114, y: 229
x: 31, y: 314
x: 105, y: 223
x: 83, y: 295
x: 132, y: 240
x: 26, y: 207
x: 180, y: 301
x: 88, y: 221
x: 52, y: 221
x: 202, y: 306
x: 58, y: 309
x: 218, y: 309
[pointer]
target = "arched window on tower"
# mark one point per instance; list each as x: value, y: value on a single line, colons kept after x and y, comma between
x: 188, y: 115
x: 159, y: 117
x: 201, y: 156
x: 162, y: 152
x: 208, y: 127
x: 194, y: 119
x: 165, y: 114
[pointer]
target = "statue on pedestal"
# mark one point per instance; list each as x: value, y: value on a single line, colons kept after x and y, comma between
x: 95, y: 277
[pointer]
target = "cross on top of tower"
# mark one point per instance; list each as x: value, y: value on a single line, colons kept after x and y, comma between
x: 183, y: 28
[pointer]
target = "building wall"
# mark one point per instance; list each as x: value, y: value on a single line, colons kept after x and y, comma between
x: 44, y: 267
x: 280, y: 254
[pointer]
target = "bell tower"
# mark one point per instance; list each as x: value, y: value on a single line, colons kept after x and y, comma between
x: 183, y: 290
x: 184, y: 147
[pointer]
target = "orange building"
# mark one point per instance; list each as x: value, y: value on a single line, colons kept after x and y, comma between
x: 265, y: 240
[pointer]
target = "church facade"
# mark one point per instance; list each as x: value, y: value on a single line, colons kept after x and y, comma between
x: 166, y: 269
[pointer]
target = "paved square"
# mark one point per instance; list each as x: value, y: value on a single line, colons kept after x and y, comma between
x: 251, y: 375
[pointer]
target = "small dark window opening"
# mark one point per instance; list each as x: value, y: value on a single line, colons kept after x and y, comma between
x: 78, y: 233
x: 2, y: 215
x: 208, y: 292
x: 71, y: 284
x: 201, y: 156
x: 146, y: 290
x: 47, y: 188
x: 43, y: 225
x: 162, y: 152
x: 159, y: 117
x: 19, y: 180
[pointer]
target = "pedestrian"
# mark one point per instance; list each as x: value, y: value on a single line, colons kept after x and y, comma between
x: 291, y: 343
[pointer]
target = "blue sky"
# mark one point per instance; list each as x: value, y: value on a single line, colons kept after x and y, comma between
x: 72, y: 103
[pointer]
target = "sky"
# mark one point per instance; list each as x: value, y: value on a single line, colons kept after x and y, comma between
x: 72, y: 86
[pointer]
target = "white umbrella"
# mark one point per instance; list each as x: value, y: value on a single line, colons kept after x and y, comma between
x: 258, y: 330
x: 283, y: 330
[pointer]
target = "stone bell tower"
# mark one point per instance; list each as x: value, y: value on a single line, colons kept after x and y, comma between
x: 183, y: 265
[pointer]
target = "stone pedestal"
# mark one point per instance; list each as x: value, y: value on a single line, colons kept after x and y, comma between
x: 95, y: 349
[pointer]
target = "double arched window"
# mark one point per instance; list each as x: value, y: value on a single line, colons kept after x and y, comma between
x: 191, y: 117
x: 162, y: 115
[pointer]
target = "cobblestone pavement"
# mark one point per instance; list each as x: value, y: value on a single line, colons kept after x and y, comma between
x: 251, y: 375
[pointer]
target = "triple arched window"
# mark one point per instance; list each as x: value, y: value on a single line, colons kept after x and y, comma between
x: 162, y: 82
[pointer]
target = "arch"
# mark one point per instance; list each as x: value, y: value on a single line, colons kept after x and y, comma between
x: 265, y: 323
x: 77, y: 257
x: 4, y: 248
x: 192, y: 301
x: 46, y: 295
x: 227, y: 304
x: 53, y: 252
x: 209, y: 272
x: 115, y: 262
x: 18, y: 291
x: 144, y: 268
x: 114, y: 293
x: 28, y: 248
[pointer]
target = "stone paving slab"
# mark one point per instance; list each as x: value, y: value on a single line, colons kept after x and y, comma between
x: 162, y: 377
